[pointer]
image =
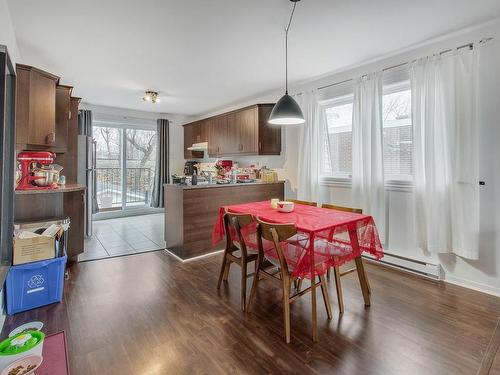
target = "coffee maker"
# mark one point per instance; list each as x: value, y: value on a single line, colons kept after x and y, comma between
x: 29, y: 161
x: 190, y: 168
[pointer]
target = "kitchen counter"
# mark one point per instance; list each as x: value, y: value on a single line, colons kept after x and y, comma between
x: 61, y: 189
x: 191, y: 212
x: 210, y: 186
x: 67, y: 201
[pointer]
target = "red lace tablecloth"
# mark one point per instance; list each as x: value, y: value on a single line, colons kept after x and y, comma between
x: 332, y: 237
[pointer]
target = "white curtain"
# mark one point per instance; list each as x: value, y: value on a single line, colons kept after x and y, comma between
x: 367, y: 145
x: 309, y: 158
x: 446, y: 165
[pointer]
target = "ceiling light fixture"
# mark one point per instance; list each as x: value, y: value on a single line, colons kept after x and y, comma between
x: 151, y: 96
x: 286, y: 111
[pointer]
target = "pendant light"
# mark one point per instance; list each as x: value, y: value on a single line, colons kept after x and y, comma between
x: 287, y: 111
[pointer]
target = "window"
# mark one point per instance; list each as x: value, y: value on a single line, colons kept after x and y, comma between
x: 398, y: 132
x: 336, y: 117
x: 337, y: 143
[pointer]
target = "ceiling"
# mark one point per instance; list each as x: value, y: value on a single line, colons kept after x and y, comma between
x: 204, y: 54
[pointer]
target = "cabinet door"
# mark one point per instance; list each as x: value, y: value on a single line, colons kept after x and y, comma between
x: 63, y: 115
x: 269, y: 135
x: 248, y: 125
x: 199, y: 132
x: 218, y: 136
x: 42, y: 110
x: 74, y: 207
x: 233, y: 138
x: 188, y: 140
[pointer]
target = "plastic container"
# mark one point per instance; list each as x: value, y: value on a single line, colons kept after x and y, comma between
x: 35, y: 284
x: 22, y: 345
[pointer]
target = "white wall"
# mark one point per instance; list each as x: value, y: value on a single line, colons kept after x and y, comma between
x: 483, y: 274
x: 148, y: 119
x: 7, y: 35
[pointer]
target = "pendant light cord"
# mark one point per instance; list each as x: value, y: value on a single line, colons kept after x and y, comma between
x: 286, y: 44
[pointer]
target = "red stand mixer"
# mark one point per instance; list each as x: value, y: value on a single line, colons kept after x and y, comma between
x: 27, y: 159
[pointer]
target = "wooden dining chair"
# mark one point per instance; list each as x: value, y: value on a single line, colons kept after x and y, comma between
x: 233, y: 223
x: 306, y: 203
x: 285, y: 256
x: 359, y: 267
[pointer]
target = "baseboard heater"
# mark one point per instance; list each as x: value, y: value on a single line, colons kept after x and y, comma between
x: 433, y: 271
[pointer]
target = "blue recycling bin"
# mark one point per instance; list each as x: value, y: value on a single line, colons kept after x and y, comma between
x: 35, y: 284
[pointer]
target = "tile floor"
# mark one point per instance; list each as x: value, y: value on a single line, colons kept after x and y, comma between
x: 122, y: 236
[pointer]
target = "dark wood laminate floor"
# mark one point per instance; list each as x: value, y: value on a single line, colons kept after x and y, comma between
x: 150, y: 314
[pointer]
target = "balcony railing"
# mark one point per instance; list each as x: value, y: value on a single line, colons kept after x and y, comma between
x: 137, y: 190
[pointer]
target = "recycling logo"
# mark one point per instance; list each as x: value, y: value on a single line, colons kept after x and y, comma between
x: 36, y: 281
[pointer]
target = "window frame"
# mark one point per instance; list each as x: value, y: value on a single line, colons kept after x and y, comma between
x: 400, y: 180
x: 342, y: 178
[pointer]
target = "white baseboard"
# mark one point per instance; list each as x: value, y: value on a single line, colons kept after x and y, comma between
x: 480, y: 287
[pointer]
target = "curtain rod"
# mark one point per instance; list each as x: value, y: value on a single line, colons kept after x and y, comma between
x: 468, y: 45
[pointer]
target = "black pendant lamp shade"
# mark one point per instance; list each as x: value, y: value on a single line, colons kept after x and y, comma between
x: 286, y: 111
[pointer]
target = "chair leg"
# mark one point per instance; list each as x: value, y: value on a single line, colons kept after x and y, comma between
x: 328, y: 273
x: 255, y: 282
x: 363, y: 281
x: 226, y: 270
x: 243, y: 284
x: 299, y: 284
x: 286, y: 309
x: 338, y: 286
x: 222, y: 271
x: 326, y: 298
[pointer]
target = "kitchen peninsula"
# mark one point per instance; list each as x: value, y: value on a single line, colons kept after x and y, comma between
x: 191, y: 211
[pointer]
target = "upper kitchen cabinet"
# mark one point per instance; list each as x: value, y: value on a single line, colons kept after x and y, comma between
x: 193, y: 133
x: 35, y: 108
x: 218, y: 136
x: 241, y: 132
x: 63, y: 115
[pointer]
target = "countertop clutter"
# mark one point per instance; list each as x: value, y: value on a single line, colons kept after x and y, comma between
x: 214, y: 186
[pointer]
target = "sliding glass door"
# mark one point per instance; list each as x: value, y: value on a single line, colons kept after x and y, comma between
x: 139, y: 166
x: 125, y: 166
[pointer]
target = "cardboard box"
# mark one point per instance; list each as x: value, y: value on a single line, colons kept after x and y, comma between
x: 28, y: 250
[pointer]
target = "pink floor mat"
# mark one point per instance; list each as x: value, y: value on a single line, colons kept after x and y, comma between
x: 55, y: 356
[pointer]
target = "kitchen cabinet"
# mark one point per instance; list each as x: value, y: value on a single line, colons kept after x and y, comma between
x: 63, y: 115
x: 241, y: 132
x: 35, y: 108
x: 68, y: 201
x: 218, y: 144
x: 193, y: 134
x: 69, y: 159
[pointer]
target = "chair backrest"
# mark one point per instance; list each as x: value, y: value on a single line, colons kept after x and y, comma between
x: 236, y: 222
x: 341, y: 208
x: 276, y: 233
x: 307, y: 203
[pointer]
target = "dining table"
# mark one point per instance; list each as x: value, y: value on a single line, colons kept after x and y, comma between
x: 335, y: 237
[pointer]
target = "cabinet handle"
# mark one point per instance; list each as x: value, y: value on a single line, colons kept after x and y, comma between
x: 50, y: 138
x: 260, y: 145
x: 69, y: 115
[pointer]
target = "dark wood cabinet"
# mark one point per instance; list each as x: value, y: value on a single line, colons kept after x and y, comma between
x: 74, y: 207
x: 218, y: 136
x: 241, y: 132
x: 192, y: 134
x: 63, y: 115
x: 35, y: 108
x: 69, y: 159
x: 269, y: 135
